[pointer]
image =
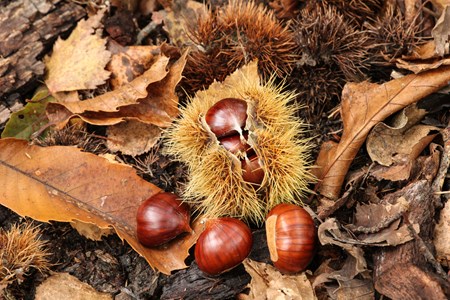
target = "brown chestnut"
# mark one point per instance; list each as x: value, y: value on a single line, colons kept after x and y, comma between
x: 227, y: 117
x: 224, y: 244
x: 251, y: 170
x: 161, y: 218
x: 291, y: 237
x: 235, y: 143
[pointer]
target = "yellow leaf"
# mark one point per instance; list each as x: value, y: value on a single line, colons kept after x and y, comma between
x: 79, y: 62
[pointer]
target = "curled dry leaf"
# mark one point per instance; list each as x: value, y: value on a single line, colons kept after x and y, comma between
x: 64, y: 184
x: 268, y: 283
x: 329, y: 232
x: 132, y: 137
x: 374, y: 217
x: 79, y: 62
x: 441, y: 31
x: 363, y: 106
x: 423, y: 58
x: 129, y: 62
x: 347, y: 287
x: 400, y: 143
x: 149, y: 98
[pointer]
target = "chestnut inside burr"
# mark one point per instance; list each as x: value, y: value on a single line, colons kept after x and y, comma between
x: 227, y: 119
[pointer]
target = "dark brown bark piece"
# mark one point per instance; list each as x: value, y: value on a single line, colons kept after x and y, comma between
x: 27, y: 30
x: 191, y: 283
x: 403, y: 272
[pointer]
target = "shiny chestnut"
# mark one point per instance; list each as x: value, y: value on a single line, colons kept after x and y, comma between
x: 224, y: 244
x: 227, y: 117
x: 251, y: 170
x: 235, y: 143
x: 291, y: 237
x: 161, y: 218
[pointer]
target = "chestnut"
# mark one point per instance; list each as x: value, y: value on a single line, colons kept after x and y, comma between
x: 227, y: 117
x: 161, y: 218
x: 235, y: 143
x: 251, y: 170
x: 291, y: 237
x: 223, y: 245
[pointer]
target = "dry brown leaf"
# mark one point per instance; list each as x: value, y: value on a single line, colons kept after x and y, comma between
x: 64, y: 184
x: 179, y: 13
x: 127, y: 95
x: 402, y: 139
x: 268, y: 283
x: 379, y: 216
x: 439, y: 5
x: 329, y: 232
x: 66, y: 286
x: 129, y: 62
x: 423, y: 58
x: 79, y: 62
x: 363, y: 106
x: 149, y: 98
x: 91, y: 231
x: 441, y: 31
x: 355, y: 289
x: 132, y: 137
x: 419, y: 67
x: 442, y: 236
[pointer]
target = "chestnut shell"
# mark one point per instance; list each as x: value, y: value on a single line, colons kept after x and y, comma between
x: 251, y: 170
x: 291, y: 237
x: 224, y: 244
x: 161, y: 218
x: 227, y: 117
x: 235, y: 144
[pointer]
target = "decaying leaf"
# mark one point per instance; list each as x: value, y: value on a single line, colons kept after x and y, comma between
x: 442, y: 230
x: 66, y: 286
x: 23, y: 123
x: 442, y: 236
x: 329, y: 232
x: 79, y: 62
x: 149, y: 98
x: 132, y: 137
x: 268, y: 283
x: 441, y: 31
x: 129, y: 62
x: 423, y: 58
x: 347, y: 273
x: 355, y: 289
x: 363, y: 106
x: 64, y: 184
x: 346, y: 286
x: 112, y: 101
x: 403, y: 140
x: 373, y: 217
x: 180, y: 12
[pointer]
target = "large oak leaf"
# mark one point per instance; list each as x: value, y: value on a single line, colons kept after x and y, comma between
x: 363, y: 106
x: 62, y: 183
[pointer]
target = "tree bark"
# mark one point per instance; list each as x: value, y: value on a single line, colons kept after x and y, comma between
x: 27, y: 30
x: 405, y: 272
